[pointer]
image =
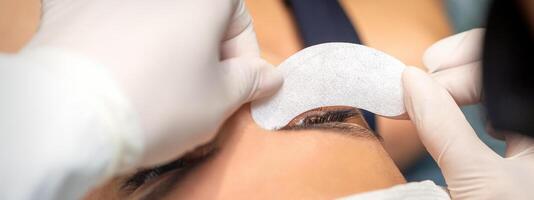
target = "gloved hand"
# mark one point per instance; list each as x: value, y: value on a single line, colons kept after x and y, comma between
x: 471, y: 169
x: 185, y: 66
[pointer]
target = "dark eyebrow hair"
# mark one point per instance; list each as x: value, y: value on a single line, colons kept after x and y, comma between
x: 178, y: 168
x: 163, y: 189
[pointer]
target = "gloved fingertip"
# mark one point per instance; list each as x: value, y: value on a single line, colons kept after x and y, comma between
x: 439, y: 55
x: 411, y: 77
x: 454, y: 50
x: 270, y: 81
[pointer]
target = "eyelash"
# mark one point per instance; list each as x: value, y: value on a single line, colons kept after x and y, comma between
x: 326, y: 117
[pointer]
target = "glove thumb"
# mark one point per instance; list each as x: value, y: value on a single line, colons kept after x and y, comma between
x: 249, y: 78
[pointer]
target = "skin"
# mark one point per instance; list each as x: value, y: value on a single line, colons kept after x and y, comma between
x: 310, y: 163
x: 18, y: 22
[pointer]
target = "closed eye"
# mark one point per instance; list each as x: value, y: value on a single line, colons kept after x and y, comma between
x: 341, y: 119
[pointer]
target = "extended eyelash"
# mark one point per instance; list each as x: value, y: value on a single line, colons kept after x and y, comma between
x: 332, y: 120
x: 327, y: 117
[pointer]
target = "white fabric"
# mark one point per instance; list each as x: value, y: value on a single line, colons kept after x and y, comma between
x: 333, y: 74
x: 471, y: 169
x: 110, y: 85
x: 425, y: 190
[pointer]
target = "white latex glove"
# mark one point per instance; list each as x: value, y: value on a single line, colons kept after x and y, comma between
x: 184, y: 65
x: 471, y: 169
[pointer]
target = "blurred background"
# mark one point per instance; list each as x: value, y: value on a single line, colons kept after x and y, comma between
x: 402, y: 28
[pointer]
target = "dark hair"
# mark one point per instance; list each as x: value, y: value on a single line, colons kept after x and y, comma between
x: 508, y: 68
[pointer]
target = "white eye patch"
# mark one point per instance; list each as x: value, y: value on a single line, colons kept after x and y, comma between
x: 333, y: 74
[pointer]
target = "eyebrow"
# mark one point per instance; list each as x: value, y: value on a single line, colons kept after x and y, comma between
x: 163, y: 189
x: 182, y: 165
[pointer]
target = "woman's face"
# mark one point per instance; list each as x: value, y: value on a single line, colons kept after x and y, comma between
x: 322, y: 154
